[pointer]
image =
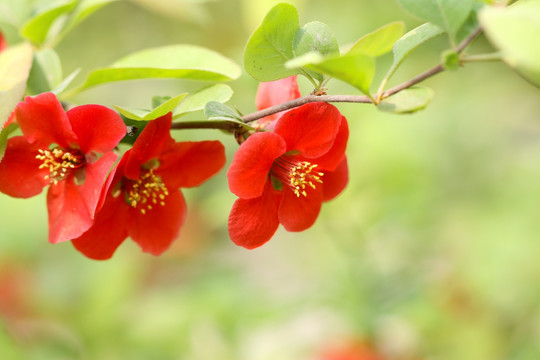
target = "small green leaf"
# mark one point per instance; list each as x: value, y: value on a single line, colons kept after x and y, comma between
x: 271, y: 45
x: 407, y: 101
x: 448, y: 14
x: 46, y: 72
x: 516, y: 32
x: 355, y: 69
x: 4, y: 133
x: 410, y: 41
x: 379, y: 41
x: 217, y: 111
x: 147, y: 115
x: 196, y: 101
x: 175, y: 61
x: 15, y: 63
x: 315, y: 37
x: 312, y: 57
x: 37, y: 28
x: 450, y: 60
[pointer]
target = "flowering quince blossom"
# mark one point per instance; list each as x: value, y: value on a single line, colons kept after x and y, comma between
x: 71, y: 151
x: 282, y: 177
x: 141, y: 198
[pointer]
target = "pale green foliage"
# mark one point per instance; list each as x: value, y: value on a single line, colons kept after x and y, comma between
x: 516, y: 32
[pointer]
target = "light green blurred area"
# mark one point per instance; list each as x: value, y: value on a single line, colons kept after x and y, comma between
x: 430, y: 253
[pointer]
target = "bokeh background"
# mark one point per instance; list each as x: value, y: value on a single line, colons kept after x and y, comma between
x: 430, y: 253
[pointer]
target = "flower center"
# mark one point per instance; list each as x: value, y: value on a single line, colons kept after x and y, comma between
x: 147, y: 191
x: 298, y: 175
x: 60, y: 163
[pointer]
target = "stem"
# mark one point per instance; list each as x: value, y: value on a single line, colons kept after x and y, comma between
x: 207, y: 124
x: 481, y: 57
x: 305, y: 100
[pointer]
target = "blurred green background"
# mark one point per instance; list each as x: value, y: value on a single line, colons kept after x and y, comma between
x: 430, y: 253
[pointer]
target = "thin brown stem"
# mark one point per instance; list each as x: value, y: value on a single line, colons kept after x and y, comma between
x: 207, y: 124
x: 305, y: 100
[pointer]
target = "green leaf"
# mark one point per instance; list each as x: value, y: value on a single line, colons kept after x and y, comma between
x: 196, y: 101
x: 407, y: 101
x: 271, y: 45
x: 46, y: 72
x: 214, y: 110
x: 147, y: 115
x: 312, y: 57
x: 175, y: 61
x: 4, y: 138
x: 315, y: 37
x: 410, y: 41
x: 516, y: 32
x: 37, y: 28
x: 355, y: 69
x: 450, y: 60
x: 15, y: 63
x: 448, y: 14
x: 379, y: 41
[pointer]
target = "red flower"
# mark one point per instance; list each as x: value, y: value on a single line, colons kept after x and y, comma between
x: 143, y: 199
x: 273, y: 93
x: 282, y: 177
x: 71, y: 151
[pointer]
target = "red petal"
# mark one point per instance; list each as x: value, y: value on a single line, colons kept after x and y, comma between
x: 108, y: 231
x: 335, y: 155
x: 249, y: 169
x: 94, y: 179
x: 158, y: 228
x: 3, y: 43
x: 274, y: 93
x: 20, y: 175
x: 310, y: 128
x: 68, y: 214
x: 42, y: 119
x: 188, y: 164
x: 335, y: 181
x: 98, y: 128
x: 298, y: 213
x: 149, y: 145
x: 253, y: 222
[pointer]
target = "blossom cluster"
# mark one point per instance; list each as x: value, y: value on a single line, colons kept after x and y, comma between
x: 281, y: 173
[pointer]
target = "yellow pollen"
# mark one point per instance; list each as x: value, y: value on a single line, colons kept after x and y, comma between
x: 59, y: 162
x: 146, y: 191
x: 303, y: 174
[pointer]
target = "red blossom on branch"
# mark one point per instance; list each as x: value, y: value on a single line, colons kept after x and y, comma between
x: 142, y: 197
x: 282, y: 177
x: 71, y: 151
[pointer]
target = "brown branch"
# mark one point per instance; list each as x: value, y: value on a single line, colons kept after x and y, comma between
x: 305, y: 100
x: 207, y: 124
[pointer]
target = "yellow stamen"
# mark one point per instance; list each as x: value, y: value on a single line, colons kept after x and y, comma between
x: 146, y: 191
x: 60, y: 163
x: 303, y: 174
